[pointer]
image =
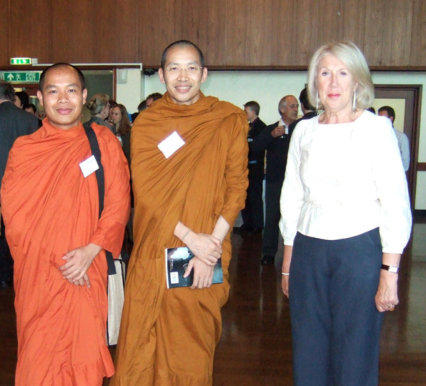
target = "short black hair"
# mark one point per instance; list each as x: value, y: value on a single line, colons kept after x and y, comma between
x: 154, y: 96
x: 389, y: 110
x: 58, y: 65
x: 181, y: 43
x: 24, y: 98
x: 7, y: 91
x: 142, y: 106
x: 253, y: 105
x: 31, y: 106
x: 371, y: 110
x: 304, y: 100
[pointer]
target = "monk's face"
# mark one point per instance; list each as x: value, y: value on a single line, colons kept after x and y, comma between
x: 183, y: 74
x: 62, y: 97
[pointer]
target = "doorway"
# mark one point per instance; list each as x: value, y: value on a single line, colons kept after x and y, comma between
x: 405, y: 99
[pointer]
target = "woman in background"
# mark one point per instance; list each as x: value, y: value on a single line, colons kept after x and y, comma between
x: 122, y: 125
x: 98, y: 106
x: 346, y: 220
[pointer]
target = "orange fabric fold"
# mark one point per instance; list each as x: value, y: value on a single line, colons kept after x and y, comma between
x: 49, y: 208
x: 204, y: 179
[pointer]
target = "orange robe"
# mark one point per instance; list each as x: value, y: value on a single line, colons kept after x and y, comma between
x: 49, y: 208
x: 168, y: 337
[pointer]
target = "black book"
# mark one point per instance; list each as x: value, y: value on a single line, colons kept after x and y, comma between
x: 177, y: 260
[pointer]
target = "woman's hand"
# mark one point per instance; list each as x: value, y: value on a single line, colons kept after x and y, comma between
x: 203, y: 273
x: 387, y: 293
x: 288, y: 252
x: 284, y: 284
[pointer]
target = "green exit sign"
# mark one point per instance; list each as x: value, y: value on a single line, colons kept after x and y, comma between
x: 20, y: 61
x: 21, y: 77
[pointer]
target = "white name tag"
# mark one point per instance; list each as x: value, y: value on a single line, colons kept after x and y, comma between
x: 88, y: 166
x: 171, y: 144
x: 174, y: 278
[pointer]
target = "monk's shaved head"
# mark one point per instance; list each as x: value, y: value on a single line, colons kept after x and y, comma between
x: 181, y: 43
x: 61, y: 65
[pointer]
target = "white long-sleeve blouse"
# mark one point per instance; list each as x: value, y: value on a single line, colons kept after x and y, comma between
x: 345, y: 179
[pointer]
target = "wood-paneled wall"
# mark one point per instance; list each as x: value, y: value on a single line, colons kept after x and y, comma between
x: 233, y: 33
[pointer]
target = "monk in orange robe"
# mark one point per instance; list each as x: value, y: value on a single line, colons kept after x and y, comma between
x: 57, y: 240
x: 190, y: 197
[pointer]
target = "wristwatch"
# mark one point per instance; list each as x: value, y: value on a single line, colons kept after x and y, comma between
x: 390, y: 268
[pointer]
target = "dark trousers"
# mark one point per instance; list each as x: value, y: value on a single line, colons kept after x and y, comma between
x: 6, y: 263
x: 272, y: 218
x: 335, y: 323
x: 253, y: 212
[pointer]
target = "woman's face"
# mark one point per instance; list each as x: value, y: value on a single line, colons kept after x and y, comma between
x: 335, y: 84
x: 18, y: 102
x: 115, y: 115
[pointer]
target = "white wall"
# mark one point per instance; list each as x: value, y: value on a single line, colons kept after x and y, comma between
x: 130, y: 86
x: 267, y: 87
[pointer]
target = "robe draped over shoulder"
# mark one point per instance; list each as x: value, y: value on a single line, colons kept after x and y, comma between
x: 49, y: 208
x: 203, y: 180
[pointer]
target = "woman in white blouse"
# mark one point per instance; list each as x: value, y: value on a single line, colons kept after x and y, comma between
x: 345, y: 221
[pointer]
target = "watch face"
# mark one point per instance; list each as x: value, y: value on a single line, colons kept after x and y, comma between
x: 393, y: 269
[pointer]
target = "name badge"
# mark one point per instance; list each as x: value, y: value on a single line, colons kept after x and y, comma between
x: 171, y: 144
x: 88, y: 166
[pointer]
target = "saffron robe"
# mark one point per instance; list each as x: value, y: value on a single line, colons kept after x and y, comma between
x: 49, y: 209
x: 168, y: 337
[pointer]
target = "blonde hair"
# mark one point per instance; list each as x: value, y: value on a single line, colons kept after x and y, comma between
x: 97, y: 103
x: 354, y: 60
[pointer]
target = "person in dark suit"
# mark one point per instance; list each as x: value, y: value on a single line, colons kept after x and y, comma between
x: 275, y: 140
x: 14, y: 122
x: 308, y: 110
x: 253, y: 212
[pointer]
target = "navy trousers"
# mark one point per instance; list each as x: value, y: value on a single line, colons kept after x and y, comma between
x: 335, y: 323
x: 272, y: 218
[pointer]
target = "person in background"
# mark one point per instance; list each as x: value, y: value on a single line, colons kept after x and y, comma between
x: 346, y: 220
x: 22, y: 100
x: 112, y: 103
x: 98, y: 106
x: 14, y: 123
x: 32, y: 109
x: 403, y: 142
x: 371, y: 110
x: 141, y: 107
x: 252, y: 214
x: 275, y: 139
x: 152, y: 98
x: 308, y: 110
x: 122, y: 127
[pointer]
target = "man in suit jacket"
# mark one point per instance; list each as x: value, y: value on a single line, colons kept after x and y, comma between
x: 14, y: 122
x: 275, y: 139
x: 253, y: 212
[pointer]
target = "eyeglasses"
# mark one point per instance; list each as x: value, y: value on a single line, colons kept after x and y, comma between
x: 190, y: 69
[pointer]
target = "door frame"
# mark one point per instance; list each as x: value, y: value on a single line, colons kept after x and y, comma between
x: 412, y: 93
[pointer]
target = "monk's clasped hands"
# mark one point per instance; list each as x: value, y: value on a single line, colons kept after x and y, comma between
x: 207, y: 248
x: 78, y: 262
x: 203, y: 273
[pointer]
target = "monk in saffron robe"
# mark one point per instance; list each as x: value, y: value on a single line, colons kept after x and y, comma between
x: 57, y: 240
x: 191, y: 197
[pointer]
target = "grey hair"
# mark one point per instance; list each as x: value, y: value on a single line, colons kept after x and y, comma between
x: 282, y: 103
x: 354, y: 60
x: 97, y: 103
